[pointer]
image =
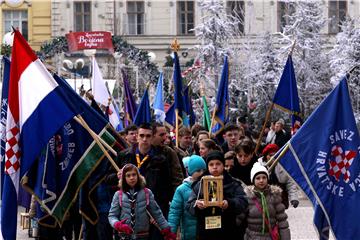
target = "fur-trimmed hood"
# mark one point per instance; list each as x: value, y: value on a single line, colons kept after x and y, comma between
x: 272, y: 190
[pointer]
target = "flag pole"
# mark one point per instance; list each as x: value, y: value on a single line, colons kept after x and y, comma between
x: 176, y: 46
x: 98, y: 140
x: 282, y: 153
x: 212, y: 120
x: 267, y: 117
x: 292, y: 47
x: 81, y: 120
x: 177, y: 127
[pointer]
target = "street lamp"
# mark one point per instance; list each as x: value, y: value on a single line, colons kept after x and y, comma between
x: 74, y: 67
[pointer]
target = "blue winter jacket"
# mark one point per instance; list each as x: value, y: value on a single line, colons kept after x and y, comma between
x: 179, y: 216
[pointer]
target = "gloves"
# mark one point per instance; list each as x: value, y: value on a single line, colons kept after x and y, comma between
x: 120, y: 226
x: 294, y: 203
x: 168, y: 235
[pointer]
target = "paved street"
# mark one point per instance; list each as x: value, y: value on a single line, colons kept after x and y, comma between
x: 300, y: 220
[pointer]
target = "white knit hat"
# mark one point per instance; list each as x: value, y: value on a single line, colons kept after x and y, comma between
x: 256, y: 169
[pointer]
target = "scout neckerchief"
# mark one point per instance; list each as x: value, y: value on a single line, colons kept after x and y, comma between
x: 139, y: 161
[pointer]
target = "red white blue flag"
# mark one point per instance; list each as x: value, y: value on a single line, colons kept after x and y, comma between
x: 36, y: 110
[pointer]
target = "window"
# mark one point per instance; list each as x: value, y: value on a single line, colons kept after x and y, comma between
x: 82, y: 11
x: 337, y: 14
x: 185, y: 17
x: 136, y: 17
x: 285, y: 10
x: 16, y: 19
x: 236, y: 9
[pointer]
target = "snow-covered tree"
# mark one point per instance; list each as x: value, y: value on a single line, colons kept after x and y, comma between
x: 339, y: 56
x: 215, y: 39
x: 262, y: 73
x: 345, y: 55
x: 311, y: 63
x: 214, y: 34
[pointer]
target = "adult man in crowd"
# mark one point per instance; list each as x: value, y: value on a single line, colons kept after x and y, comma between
x: 232, y: 135
x: 160, y: 136
x: 131, y: 134
x: 281, y: 136
x: 185, y: 141
x: 185, y: 146
x: 271, y: 133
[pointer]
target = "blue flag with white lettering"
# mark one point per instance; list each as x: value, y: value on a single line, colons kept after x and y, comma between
x: 323, y: 158
x: 4, y: 106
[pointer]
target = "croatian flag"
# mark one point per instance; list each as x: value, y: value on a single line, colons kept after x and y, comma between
x: 37, y: 108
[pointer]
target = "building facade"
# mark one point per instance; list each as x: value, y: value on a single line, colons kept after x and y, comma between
x: 32, y: 18
x: 153, y: 24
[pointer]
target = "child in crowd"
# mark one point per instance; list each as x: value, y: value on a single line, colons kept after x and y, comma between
x: 178, y: 215
x: 229, y: 160
x: 280, y: 177
x: 185, y: 162
x: 266, y: 215
x: 201, y: 135
x: 131, y: 205
x: 245, y: 159
x: 206, y: 146
x: 214, y: 223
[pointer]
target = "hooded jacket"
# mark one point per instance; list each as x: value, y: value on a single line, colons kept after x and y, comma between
x: 276, y: 213
x: 179, y: 216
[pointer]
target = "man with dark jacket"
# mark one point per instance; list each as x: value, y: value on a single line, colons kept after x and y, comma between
x: 281, y: 136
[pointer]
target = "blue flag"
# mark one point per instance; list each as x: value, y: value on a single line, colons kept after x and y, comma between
x: 158, y: 106
x: 4, y: 106
x: 286, y: 96
x: 323, y: 158
x: 170, y: 115
x: 222, y: 100
x: 189, y: 118
x: 143, y: 114
x: 178, y: 87
x: 130, y: 104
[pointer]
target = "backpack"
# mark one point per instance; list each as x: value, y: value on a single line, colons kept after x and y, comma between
x: 147, y: 196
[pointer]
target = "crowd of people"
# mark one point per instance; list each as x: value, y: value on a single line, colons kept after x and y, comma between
x: 158, y: 194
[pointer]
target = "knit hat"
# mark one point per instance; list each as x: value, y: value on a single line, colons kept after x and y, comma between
x: 215, y: 155
x: 257, y: 169
x: 270, y: 148
x: 195, y: 164
x: 185, y: 161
